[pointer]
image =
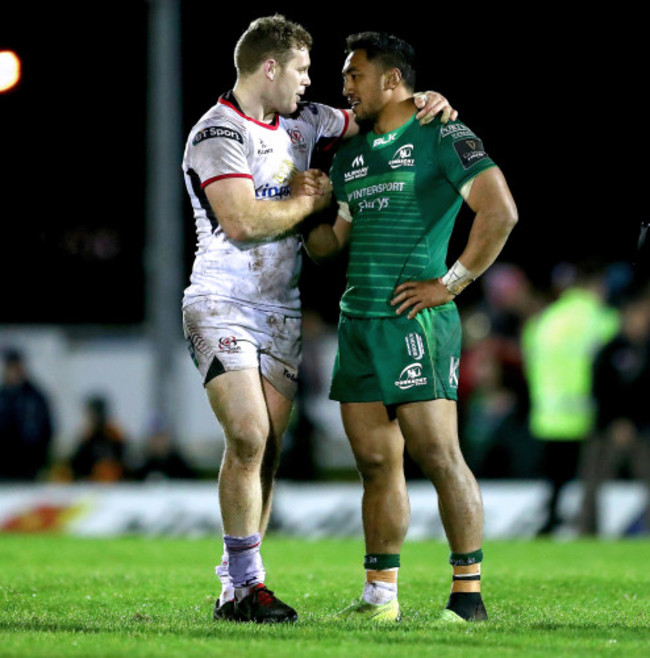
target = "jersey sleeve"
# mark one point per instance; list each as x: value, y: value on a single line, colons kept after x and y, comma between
x: 328, y: 122
x: 461, y: 152
x: 218, y: 150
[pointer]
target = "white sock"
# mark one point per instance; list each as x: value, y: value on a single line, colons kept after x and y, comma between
x: 378, y: 593
x: 227, y: 594
x: 244, y: 560
x: 241, y: 592
x: 227, y: 588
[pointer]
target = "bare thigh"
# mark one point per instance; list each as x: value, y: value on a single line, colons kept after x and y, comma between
x: 247, y: 405
x: 430, y: 430
x: 375, y: 439
x: 237, y: 399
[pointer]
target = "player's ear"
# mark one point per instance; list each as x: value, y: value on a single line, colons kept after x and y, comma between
x: 270, y: 68
x: 392, y: 79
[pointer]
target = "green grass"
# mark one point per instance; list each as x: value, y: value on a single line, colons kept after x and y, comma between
x: 132, y: 597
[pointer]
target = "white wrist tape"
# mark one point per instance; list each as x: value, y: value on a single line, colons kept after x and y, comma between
x: 457, y: 278
x: 344, y: 211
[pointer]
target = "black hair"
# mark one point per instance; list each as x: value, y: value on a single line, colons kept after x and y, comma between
x: 391, y: 51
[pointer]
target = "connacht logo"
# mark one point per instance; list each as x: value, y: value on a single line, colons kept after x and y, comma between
x: 403, y: 157
x: 411, y: 376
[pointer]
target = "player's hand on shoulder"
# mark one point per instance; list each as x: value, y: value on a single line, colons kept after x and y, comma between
x: 414, y: 296
x: 430, y: 104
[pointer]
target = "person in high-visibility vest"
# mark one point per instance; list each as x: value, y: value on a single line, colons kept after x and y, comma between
x: 559, y: 346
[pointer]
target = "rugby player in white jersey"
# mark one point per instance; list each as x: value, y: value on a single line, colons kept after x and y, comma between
x: 245, y: 168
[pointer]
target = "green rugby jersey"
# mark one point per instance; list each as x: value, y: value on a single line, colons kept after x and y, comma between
x: 403, y: 192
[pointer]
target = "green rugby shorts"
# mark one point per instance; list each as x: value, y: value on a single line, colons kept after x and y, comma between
x: 396, y: 360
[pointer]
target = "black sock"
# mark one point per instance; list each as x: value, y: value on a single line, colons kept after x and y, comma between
x: 468, y: 605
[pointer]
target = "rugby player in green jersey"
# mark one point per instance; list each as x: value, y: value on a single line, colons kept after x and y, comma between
x: 399, y: 187
x: 241, y: 311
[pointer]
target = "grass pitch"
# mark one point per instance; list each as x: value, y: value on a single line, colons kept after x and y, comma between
x: 132, y: 597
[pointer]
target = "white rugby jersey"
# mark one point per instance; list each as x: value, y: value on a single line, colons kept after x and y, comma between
x: 225, y: 143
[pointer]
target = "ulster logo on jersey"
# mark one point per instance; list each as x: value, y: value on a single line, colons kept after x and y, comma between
x: 403, y: 157
x: 228, y: 344
x: 297, y: 140
x: 296, y: 136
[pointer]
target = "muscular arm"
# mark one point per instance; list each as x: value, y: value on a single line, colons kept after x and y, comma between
x: 325, y: 241
x: 244, y: 218
x: 496, y: 215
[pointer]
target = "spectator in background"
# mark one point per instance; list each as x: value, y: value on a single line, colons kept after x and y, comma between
x: 162, y: 459
x: 495, y: 438
x: 509, y: 300
x: 559, y: 346
x: 492, y: 387
x: 25, y: 422
x: 100, y: 455
x: 621, y: 388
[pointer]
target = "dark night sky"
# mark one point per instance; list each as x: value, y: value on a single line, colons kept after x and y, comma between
x: 542, y: 90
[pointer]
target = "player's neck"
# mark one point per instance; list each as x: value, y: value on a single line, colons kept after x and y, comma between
x: 252, y: 103
x: 394, y: 115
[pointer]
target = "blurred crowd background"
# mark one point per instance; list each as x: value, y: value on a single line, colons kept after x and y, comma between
x: 553, y: 385
x: 555, y: 369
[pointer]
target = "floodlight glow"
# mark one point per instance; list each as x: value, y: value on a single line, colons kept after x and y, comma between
x: 9, y: 70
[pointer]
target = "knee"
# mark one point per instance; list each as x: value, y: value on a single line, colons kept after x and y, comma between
x: 373, y: 465
x: 246, y: 442
x: 437, y: 458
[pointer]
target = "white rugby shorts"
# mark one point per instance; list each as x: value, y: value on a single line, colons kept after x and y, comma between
x: 223, y: 336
